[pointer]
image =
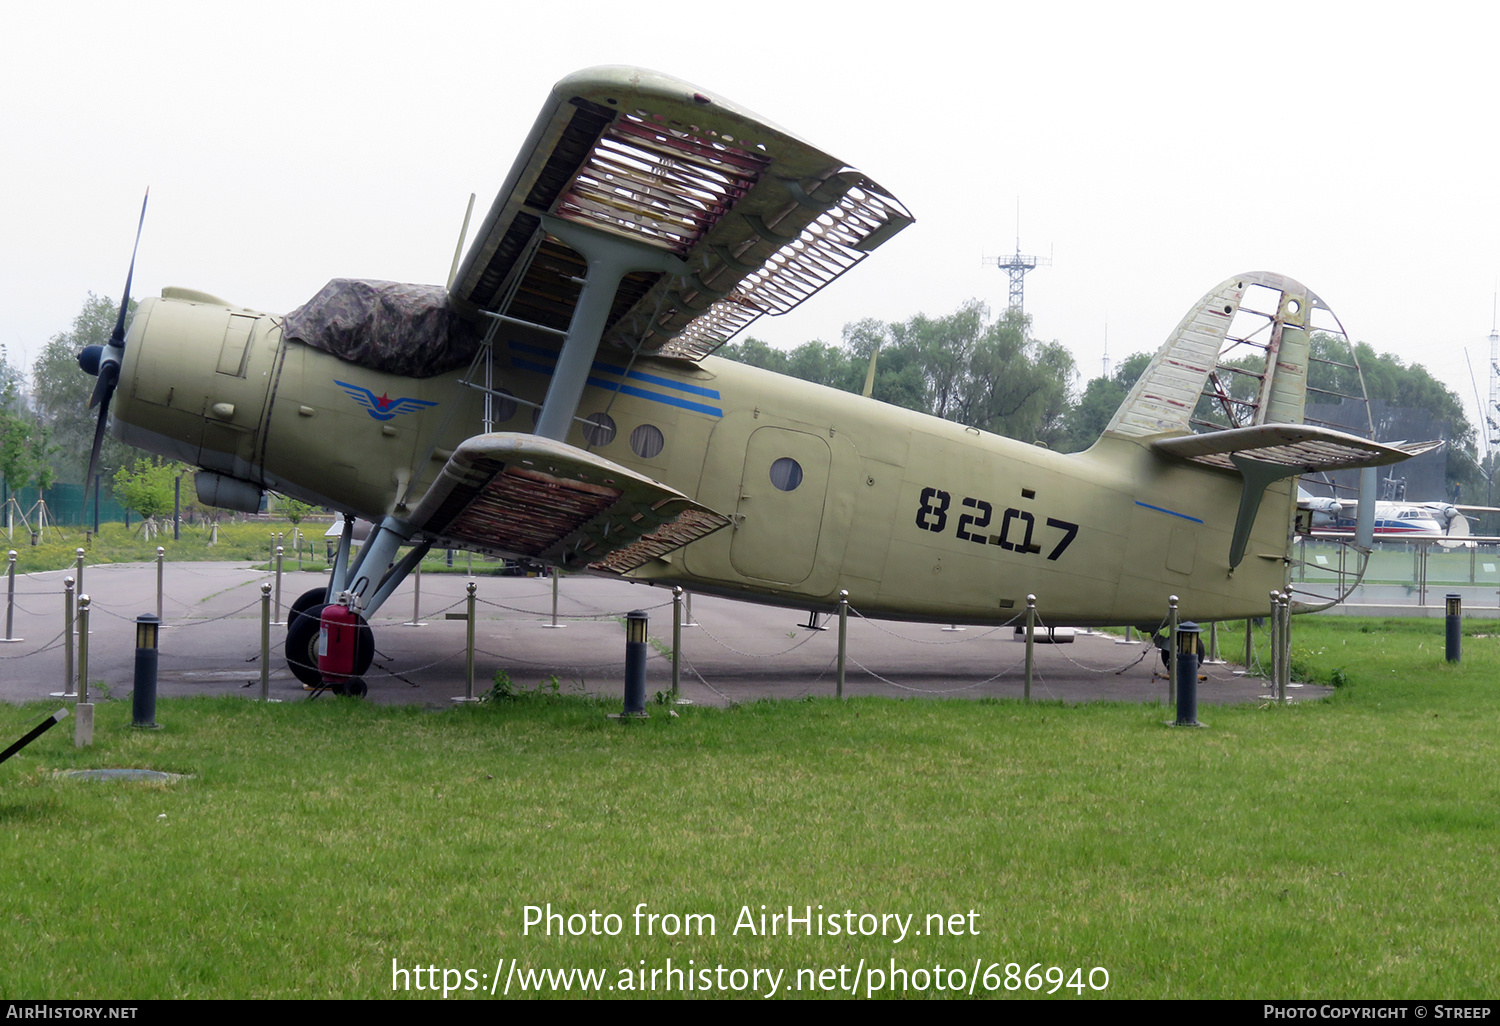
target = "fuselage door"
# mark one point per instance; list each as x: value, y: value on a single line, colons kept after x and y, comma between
x: 779, y: 512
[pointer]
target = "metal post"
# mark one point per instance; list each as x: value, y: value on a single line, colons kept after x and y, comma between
x: 83, y: 726
x: 68, y: 682
x: 1275, y: 641
x: 556, y: 573
x: 843, y: 642
x: 143, y: 699
x: 265, y: 641
x: 161, y: 555
x: 78, y: 571
x: 676, y: 641
x: 1030, y: 645
x: 83, y: 648
x: 10, y: 599
x: 1172, y: 657
x: 177, y: 509
x: 688, y: 611
x: 469, y: 686
x: 1249, y: 643
x: 280, y: 554
x: 1286, y: 646
x: 1213, y: 644
x: 1454, y: 628
x: 1127, y: 639
x: 416, y: 597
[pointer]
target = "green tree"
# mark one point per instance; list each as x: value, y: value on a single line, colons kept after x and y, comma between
x: 962, y: 367
x: 145, y: 487
x: 1086, y: 419
x: 60, y: 391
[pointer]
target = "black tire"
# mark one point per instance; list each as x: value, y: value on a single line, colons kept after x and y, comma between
x: 302, y: 646
x: 305, y: 601
x: 355, y: 687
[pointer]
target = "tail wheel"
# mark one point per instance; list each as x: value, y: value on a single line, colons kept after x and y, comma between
x: 302, y: 645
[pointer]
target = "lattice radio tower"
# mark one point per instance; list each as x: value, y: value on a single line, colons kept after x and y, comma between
x: 1492, y: 411
x: 1017, y: 266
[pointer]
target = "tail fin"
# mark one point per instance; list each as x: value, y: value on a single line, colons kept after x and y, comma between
x: 1239, y: 358
x: 1236, y: 369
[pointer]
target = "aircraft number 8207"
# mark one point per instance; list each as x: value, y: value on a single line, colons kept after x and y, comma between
x: 1017, y: 526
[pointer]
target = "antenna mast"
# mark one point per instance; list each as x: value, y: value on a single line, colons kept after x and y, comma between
x: 1492, y: 411
x: 1017, y: 266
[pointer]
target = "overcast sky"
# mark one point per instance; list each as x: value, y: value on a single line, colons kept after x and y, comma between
x: 1155, y: 148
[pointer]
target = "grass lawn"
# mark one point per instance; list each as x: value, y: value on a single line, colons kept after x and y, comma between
x: 1343, y: 848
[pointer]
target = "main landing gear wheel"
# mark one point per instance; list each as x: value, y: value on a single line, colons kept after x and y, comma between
x: 307, y: 600
x: 302, y: 645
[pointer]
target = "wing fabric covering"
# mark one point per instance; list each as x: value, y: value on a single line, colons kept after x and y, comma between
x: 523, y: 495
x: 761, y: 218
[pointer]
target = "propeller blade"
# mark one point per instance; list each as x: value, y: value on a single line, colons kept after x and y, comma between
x: 109, y: 359
x: 117, y: 337
x: 94, y: 455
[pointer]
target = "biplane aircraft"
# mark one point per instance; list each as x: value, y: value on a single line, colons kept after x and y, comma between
x: 558, y: 401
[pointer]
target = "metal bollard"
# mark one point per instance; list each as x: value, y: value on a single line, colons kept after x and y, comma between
x: 83, y: 726
x: 10, y: 599
x: 78, y: 571
x: 843, y: 641
x: 676, y: 642
x: 556, y: 573
x: 280, y: 555
x: 1172, y: 657
x: 416, y: 597
x: 469, y: 689
x: 1186, y: 671
x: 1454, y: 627
x: 83, y: 648
x: 161, y: 555
x: 143, y: 700
x: 68, y: 682
x: 1275, y: 641
x: 1249, y: 643
x: 1030, y: 646
x: 265, y: 641
x: 635, y: 665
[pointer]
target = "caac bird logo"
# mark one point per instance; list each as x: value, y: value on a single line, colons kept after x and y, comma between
x: 382, y: 407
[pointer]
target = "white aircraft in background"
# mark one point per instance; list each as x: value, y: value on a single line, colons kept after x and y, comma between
x: 1444, y: 522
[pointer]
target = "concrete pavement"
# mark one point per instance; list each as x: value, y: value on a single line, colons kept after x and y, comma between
x: 738, y: 651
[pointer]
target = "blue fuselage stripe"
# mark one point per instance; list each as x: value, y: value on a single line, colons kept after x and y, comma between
x: 1169, y: 512
x: 686, y: 404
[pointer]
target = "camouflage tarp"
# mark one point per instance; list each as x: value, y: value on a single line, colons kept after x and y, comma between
x: 386, y: 326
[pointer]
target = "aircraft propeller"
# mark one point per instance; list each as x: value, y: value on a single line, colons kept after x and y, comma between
x: 103, y: 362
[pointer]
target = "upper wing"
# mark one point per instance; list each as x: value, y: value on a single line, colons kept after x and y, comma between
x: 761, y: 218
x: 524, y: 495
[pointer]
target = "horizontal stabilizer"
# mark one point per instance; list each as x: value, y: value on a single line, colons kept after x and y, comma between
x: 1301, y: 448
x: 521, y: 495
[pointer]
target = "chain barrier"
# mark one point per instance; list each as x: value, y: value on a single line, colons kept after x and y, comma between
x: 923, y: 641
x: 756, y: 655
x: 572, y: 616
x: 1146, y: 649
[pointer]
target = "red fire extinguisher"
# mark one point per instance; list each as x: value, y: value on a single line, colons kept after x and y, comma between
x: 337, y: 634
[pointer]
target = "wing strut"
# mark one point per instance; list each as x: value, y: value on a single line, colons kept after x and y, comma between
x: 609, y: 258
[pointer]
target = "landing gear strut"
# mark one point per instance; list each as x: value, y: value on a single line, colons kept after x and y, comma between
x: 375, y: 557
